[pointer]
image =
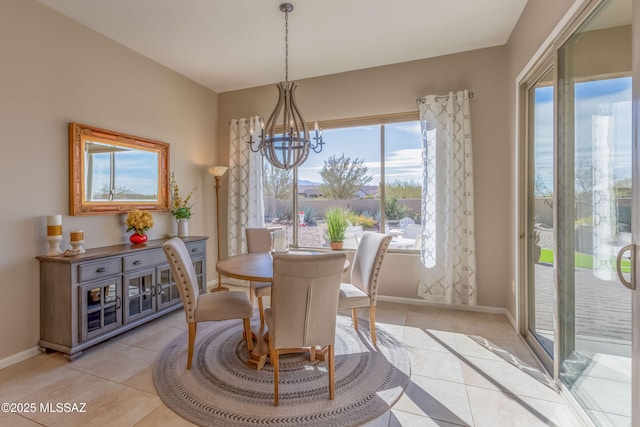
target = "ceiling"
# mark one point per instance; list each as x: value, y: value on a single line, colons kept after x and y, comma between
x: 236, y: 44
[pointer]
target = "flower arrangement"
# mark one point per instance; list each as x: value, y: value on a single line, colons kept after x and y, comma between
x: 180, y: 207
x: 140, y: 221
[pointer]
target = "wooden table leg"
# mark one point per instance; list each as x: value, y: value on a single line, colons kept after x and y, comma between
x: 258, y: 356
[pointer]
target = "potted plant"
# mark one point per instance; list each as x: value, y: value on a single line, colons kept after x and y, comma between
x: 336, y: 219
x: 140, y: 221
x: 180, y: 207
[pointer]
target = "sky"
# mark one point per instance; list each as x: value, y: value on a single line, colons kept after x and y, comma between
x: 610, y: 98
x: 402, y: 144
x: 137, y: 170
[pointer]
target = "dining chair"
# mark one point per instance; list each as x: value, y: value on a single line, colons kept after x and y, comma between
x: 362, y: 289
x: 304, y: 307
x: 207, y: 306
x: 259, y: 240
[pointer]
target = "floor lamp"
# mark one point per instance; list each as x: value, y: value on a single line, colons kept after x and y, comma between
x: 217, y: 172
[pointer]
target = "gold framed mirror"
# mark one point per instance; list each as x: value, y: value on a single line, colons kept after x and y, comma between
x: 112, y: 172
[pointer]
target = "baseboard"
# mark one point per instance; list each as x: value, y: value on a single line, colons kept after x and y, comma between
x: 421, y: 302
x: 19, y: 357
x: 511, y: 320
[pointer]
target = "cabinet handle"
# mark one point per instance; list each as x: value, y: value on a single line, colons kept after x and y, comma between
x: 101, y: 270
x: 194, y: 250
x: 118, y: 303
x: 137, y: 262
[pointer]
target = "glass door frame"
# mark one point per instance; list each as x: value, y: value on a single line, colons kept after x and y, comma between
x: 548, y: 64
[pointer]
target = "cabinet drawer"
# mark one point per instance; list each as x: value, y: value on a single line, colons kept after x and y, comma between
x: 95, y: 270
x: 196, y: 249
x: 143, y: 259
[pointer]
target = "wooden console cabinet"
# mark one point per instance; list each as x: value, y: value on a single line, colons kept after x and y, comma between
x: 91, y: 297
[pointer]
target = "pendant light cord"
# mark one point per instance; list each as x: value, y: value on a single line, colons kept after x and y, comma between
x: 286, y: 47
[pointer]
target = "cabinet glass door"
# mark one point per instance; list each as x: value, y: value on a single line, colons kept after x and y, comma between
x: 168, y: 291
x: 198, y: 265
x: 100, y: 308
x: 140, y: 295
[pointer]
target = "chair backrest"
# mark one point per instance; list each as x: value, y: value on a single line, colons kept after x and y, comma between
x: 304, y: 298
x: 258, y: 239
x: 411, y: 231
x: 405, y: 221
x: 367, y: 262
x: 184, y: 274
x: 352, y: 237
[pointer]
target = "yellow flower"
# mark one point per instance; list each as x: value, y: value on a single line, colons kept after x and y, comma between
x: 141, y: 221
x: 180, y: 208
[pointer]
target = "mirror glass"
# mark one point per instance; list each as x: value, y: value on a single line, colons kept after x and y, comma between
x: 114, y: 173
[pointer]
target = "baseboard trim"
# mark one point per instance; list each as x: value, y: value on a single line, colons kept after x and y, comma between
x: 19, y: 357
x: 421, y: 302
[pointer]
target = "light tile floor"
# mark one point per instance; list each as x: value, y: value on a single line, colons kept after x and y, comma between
x: 468, y: 369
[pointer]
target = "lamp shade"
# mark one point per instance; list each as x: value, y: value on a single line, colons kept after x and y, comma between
x: 218, y: 170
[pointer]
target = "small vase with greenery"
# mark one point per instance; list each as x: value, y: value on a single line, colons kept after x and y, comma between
x: 336, y: 219
x: 181, y: 206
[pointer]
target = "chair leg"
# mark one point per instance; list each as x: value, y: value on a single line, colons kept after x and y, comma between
x: 274, y: 356
x: 354, y: 316
x: 192, y: 340
x: 261, y: 311
x: 247, y: 334
x: 372, y: 324
x: 332, y: 370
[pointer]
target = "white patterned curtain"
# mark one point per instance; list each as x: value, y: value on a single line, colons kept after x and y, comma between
x: 246, y: 206
x: 447, y: 244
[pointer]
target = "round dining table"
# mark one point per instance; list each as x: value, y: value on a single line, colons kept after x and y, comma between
x: 258, y: 267
x: 255, y: 267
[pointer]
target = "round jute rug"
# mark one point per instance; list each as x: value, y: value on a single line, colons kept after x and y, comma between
x: 220, y: 390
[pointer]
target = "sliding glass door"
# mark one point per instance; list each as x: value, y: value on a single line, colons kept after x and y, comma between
x: 580, y: 203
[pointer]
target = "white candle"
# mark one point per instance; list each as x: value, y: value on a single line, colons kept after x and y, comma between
x: 54, y: 225
x: 54, y: 220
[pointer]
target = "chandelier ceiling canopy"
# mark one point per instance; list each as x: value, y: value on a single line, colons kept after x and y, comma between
x: 284, y: 140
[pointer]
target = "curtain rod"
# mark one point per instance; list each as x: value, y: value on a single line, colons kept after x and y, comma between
x: 422, y: 100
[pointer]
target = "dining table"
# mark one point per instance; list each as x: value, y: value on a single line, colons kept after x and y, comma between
x: 258, y: 267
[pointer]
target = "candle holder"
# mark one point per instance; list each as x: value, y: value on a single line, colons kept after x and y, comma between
x: 54, y: 234
x: 77, y: 240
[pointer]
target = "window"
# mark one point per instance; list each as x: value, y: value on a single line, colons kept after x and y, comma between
x: 370, y: 168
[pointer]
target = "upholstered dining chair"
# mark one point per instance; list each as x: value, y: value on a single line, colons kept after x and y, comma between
x: 207, y: 306
x: 259, y: 240
x: 365, y: 275
x: 304, y: 307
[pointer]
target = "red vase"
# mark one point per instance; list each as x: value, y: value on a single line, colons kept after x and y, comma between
x: 137, y: 239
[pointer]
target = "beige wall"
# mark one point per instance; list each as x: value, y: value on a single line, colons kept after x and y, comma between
x: 54, y: 71
x: 394, y: 89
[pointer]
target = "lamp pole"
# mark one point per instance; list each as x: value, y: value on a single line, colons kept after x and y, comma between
x: 217, y: 172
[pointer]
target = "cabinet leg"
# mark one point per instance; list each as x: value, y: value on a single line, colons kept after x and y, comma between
x: 73, y: 357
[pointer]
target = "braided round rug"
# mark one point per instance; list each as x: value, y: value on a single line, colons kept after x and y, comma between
x: 221, y: 390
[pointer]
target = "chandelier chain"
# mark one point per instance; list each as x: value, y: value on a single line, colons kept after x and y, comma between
x: 286, y: 46
x: 289, y: 146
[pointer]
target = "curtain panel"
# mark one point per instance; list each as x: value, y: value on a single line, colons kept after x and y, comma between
x: 447, y: 244
x: 245, y: 206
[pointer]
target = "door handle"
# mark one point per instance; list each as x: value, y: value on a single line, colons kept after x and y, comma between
x: 631, y: 284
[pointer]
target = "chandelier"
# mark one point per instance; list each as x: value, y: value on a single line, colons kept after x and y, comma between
x: 288, y: 145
